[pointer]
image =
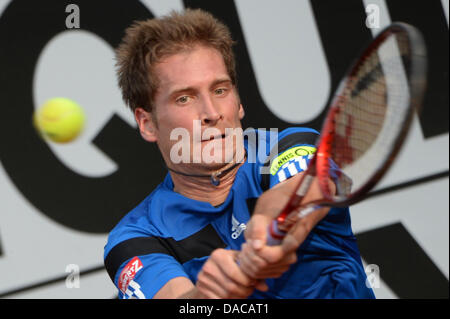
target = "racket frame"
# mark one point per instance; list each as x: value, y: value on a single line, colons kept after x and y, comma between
x: 320, y: 165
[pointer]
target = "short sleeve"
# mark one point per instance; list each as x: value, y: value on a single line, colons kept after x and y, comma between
x: 141, y: 277
x: 289, y: 156
x: 140, y: 266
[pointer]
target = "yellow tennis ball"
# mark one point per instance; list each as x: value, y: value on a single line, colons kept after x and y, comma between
x: 60, y: 119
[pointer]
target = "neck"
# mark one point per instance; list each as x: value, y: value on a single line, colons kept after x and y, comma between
x: 201, y: 187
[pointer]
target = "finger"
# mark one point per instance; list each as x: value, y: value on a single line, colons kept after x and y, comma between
x: 269, y: 262
x: 286, y: 261
x: 272, y: 272
x: 256, y: 231
x: 209, y: 289
x: 250, y: 262
x: 236, y: 283
x: 209, y: 281
x: 262, y: 286
x: 221, y: 277
x: 247, y: 264
x: 214, y: 283
x: 227, y: 288
x: 274, y: 255
x: 235, y: 290
x: 233, y: 270
x: 301, y: 229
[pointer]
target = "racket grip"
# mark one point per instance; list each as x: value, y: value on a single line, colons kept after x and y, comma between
x: 274, y: 235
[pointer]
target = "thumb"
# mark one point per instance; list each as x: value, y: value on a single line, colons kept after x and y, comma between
x: 256, y: 232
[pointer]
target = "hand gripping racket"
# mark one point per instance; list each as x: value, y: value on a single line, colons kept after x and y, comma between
x: 366, y: 125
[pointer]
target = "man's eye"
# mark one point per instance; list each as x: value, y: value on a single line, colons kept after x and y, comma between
x: 183, y: 99
x: 220, y: 91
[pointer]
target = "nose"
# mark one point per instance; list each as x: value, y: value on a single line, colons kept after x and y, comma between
x: 210, y: 113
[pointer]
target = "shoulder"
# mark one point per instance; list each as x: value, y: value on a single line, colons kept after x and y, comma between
x: 264, y: 146
x: 281, y: 155
x: 268, y: 139
x: 136, y: 257
x: 300, y: 140
x: 135, y: 223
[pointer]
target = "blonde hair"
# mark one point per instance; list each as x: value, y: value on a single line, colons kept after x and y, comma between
x: 147, y: 42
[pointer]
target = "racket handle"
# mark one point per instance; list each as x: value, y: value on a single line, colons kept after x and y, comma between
x: 274, y: 235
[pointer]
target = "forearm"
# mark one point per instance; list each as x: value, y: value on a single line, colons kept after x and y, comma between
x: 194, y: 293
x: 178, y: 288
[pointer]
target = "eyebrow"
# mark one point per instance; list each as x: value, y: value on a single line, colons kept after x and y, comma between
x: 191, y: 88
x: 221, y: 81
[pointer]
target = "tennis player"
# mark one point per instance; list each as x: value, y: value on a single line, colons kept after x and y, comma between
x: 202, y: 232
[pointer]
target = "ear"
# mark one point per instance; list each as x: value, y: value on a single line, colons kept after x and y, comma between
x: 146, y: 124
x: 241, y: 111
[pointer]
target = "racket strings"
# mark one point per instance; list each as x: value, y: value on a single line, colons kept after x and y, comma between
x: 371, y: 110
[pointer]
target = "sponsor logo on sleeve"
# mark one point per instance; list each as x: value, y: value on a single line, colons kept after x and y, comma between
x: 290, y: 154
x: 128, y: 273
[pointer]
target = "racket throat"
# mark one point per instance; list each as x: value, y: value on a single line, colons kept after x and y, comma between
x: 284, y: 223
x: 303, y: 189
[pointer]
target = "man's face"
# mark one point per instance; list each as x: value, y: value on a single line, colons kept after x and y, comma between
x: 196, y: 95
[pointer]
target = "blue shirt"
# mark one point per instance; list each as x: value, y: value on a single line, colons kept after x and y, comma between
x: 169, y: 235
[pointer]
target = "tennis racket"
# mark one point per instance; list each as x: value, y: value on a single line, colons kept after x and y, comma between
x: 366, y: 125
